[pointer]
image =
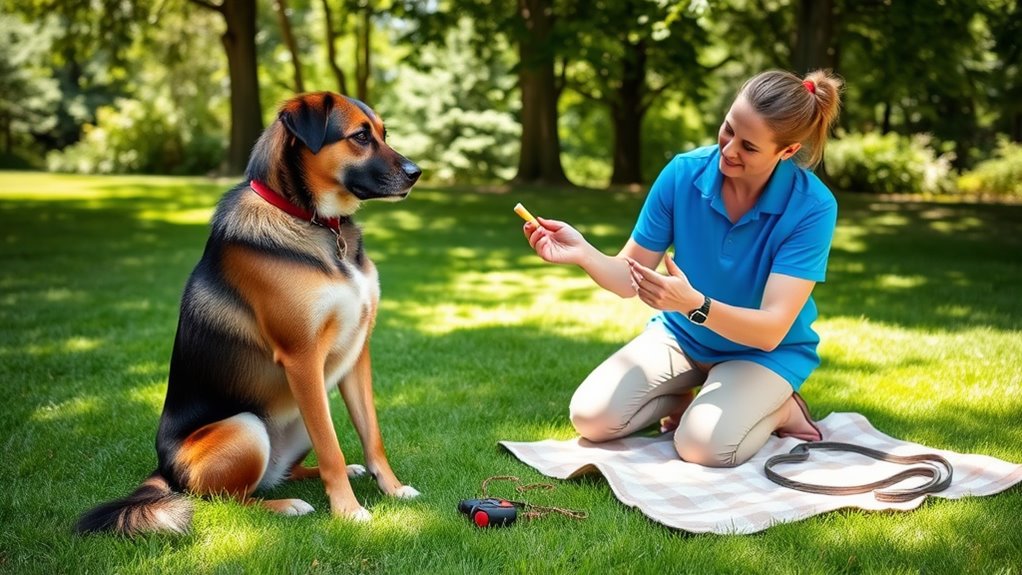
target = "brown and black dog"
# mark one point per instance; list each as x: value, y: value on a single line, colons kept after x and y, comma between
x: 277, y: 312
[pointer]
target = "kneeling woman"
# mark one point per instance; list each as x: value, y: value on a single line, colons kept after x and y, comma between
x: 750, y: 226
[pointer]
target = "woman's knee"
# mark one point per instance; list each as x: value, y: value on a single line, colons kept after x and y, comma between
x: 732, y: 418
x: 706, y: 453
x: 701, y: 439
x: 594, y: 422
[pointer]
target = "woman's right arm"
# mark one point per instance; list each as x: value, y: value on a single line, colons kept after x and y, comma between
x: 558, y: 242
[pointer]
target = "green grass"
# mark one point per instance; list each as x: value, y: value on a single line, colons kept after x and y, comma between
x: 478, y: 341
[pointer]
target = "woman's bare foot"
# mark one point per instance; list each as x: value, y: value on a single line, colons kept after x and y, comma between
x: 798, y: 424
x: 670, y: 423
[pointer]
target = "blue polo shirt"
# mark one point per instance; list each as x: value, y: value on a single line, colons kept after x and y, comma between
x: 788, y: 231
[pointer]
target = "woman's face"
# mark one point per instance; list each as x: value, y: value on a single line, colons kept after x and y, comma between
x: 747, y: 145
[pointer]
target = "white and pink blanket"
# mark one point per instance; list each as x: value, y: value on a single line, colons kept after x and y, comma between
x: 645, y: 472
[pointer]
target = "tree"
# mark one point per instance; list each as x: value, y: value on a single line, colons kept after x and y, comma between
x: 331, y: 33
x: 923, y: 70
x: 1006, y: 26
x: 628, y: 54
x: 814, y: 37
x: 28, y: 94
x: 289, y: 39
x: 246, y: 110
x: 87, y: 55
x: 539, y: 158
x: 363, y: 51
x: 532, y: 27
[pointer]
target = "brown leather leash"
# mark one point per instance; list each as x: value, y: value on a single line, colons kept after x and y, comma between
x: 930, y: 465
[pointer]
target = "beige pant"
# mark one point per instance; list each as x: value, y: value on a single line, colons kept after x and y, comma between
x: 739, y: 405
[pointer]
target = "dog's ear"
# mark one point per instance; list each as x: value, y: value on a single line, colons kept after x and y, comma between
x: 312, y: 121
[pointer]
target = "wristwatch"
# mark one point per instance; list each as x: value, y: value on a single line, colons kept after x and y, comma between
x: 698, y: 316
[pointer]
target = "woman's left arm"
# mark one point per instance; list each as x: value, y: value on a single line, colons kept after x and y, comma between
x: 763, y: 328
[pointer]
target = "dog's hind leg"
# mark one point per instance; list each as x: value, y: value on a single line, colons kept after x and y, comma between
x: 299, y: 472
x: 229, y: 457
x: 294, y: 438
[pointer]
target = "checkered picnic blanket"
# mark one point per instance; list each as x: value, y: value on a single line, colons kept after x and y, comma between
x: 645, y: 472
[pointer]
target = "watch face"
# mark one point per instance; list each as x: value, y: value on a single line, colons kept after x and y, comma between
x: 697, y: 316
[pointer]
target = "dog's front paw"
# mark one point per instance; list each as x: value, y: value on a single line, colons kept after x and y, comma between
x: 356, y: 470
x: 406, y: 492
x: 361, y: 515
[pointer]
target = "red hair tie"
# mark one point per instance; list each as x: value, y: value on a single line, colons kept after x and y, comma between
x: 809, y: 86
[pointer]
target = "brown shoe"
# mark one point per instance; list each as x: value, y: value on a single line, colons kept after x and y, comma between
x: 800, y: 431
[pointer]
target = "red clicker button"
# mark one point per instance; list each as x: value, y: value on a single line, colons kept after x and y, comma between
x: 482, y: 519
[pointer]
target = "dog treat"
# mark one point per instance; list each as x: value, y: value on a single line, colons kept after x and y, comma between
x: 525, y: 215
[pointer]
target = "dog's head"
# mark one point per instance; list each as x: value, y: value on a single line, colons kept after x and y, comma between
x: 328, y: 153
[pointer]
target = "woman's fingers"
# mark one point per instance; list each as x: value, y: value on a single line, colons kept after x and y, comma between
x: 642, y: 274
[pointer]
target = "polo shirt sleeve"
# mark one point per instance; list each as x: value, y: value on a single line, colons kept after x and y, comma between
x: 804, y: 253
x: 654, y: 230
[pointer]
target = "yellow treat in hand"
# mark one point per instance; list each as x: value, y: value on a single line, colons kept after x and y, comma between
x: 525, y: 215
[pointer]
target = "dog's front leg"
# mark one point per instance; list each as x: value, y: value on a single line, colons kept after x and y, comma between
x: 357, y: 391
x: 305, y: 378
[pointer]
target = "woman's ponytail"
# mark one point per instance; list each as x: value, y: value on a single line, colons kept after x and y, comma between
x: 798, y: 110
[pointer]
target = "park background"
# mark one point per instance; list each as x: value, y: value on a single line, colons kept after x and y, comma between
x: 122, y: 123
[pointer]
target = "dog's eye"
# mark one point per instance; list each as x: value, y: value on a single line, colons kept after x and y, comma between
x: 361, y: 137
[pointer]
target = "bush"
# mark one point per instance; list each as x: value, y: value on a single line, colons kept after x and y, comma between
x: 999, y: 176
x: 888, y: 164
x: 136, y: 136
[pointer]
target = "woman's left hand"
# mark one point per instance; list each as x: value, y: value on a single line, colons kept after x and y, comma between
x: 671, y: 292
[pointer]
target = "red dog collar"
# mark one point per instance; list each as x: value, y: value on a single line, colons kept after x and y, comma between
x: 281, y: 202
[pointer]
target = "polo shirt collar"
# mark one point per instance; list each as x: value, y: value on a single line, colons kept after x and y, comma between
x: 773, y: 200
x: 778, y: 188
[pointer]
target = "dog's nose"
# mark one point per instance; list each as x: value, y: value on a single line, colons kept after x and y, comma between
x: 412, y: 172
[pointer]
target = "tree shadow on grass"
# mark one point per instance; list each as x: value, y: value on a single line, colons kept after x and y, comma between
x: 926, y: 265
x: 89, y: 296
x: 950, y: 421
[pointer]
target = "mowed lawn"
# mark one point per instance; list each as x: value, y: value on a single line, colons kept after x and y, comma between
x: 477, y: 340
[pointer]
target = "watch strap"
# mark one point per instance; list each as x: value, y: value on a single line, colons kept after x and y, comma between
x: 700, y: 314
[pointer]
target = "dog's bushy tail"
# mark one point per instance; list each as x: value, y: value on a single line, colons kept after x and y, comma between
x: 152, y: 508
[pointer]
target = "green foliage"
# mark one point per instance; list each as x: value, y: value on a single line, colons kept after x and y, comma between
x: 952, y: 72
x: 172, y: 119
x: 888, y: 164
x: 138, y: 137
x: 28, y: 92
x: 454, y: 113
x: 586, y: 141
x: 998, y: 176
x: 924, y: 65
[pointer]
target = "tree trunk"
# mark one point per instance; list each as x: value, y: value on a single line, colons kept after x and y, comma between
x: 246, y: 110
x: 362, y: 48
x: 289, y: 41
x: 539, y: 161
x: 627, y: 112
x: 331, y: 49
x: 885, y: 123
x: 814, y: 34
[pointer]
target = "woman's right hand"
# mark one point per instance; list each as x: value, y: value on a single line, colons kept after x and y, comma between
x: 555, y: 241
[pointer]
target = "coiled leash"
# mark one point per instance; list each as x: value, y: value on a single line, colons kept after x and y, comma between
x: 497, y: 512
x: 930, y: 467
